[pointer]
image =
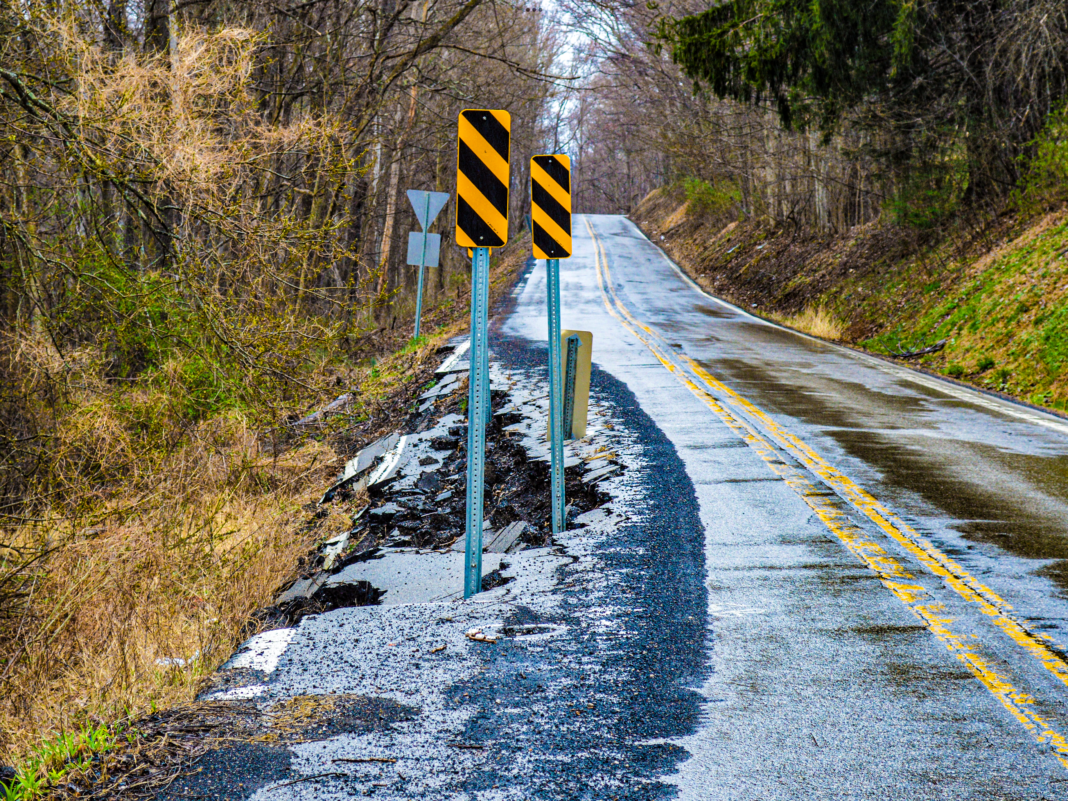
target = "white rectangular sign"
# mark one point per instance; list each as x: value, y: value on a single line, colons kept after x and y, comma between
x: 415, y: 248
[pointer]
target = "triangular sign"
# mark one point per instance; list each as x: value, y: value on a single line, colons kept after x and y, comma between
x: 426, y: 214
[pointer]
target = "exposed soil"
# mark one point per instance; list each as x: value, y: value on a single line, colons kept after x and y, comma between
x: 516, y: 489
x: 980, y: 300
x: 432, y: 515
x: 785, y: 269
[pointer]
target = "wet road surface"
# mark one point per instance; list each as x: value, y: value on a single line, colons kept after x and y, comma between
x: 884, y: 551
x: 822, y: 577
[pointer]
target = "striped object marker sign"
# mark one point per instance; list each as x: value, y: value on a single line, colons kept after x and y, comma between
x: 482, y: 178
x: 550, y: 201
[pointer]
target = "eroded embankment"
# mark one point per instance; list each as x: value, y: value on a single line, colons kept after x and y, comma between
x: 404, y: 495
x: 985, y: 303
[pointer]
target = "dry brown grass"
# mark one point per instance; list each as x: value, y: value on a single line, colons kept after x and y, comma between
x: 173, y: 569
x: 817, y: 321
x: 162, y: 543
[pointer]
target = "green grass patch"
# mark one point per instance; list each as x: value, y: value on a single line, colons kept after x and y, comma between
x: 58, y: 758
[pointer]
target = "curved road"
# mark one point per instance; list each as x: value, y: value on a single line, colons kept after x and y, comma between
x: 820, y: 576
x: 885, y: 552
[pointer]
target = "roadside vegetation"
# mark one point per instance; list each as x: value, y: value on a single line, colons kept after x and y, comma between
x: 891, y: 176
x: 201, y: 215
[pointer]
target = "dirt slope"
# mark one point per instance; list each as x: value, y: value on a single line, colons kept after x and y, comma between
x: 996, y: 292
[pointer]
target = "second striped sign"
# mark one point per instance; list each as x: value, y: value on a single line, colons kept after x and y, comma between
x: 550, y: 200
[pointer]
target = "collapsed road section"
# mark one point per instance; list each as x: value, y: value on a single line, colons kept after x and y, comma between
x: 408, y: 492
x: 374, y: 677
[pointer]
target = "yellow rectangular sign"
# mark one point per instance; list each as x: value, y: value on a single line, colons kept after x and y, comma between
x: 482, y: 178
x: 550, y: 206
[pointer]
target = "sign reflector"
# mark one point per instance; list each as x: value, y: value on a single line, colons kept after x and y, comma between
x: 550, y: 202
x: 482, y: 178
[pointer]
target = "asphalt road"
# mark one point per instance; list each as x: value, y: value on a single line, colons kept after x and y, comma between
x: 824, y: 577
x: 884, y: 551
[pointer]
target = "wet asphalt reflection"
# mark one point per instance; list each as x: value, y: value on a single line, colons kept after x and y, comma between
x: 827, y: 681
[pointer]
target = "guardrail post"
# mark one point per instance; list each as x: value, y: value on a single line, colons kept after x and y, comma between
x: 477, y: 402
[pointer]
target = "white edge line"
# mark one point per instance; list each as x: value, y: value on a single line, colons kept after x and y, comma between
x: 447, y: 365
x: 931, y: 382
x: 391, y: 460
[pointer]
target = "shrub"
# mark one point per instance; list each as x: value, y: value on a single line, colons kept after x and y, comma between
x: 955, y: 370
x: 1046, y: 177
x: 984, y: 364
x: 930, y: 195
x: 717, y: 197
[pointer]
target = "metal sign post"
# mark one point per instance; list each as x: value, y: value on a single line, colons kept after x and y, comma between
x: 556, y: 417
x: 427, y: 205
x: 477, y: 405
x: 482, y: 180
x: 550, y: 234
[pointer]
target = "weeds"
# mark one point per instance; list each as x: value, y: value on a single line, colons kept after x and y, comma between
x: 58, y: 759
x: 817, y: 321
x: 708, y: 197
x: 165, y: 515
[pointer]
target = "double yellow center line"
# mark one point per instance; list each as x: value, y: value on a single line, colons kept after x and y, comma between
x: 774, y: 442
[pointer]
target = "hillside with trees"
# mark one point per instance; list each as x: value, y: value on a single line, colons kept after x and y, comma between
x: 890, y: 175
x: 202, y: 230
x: 202, y: 244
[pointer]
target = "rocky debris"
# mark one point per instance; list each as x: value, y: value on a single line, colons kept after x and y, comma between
x: 416, y: 486
x: 7, y: 778
x: 386, y: 512
x: 314, y: 596
x: 355, y: 467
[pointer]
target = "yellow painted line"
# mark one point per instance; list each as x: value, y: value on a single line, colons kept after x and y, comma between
x: 549, y: 184
x: 890, y: 571
x: 937, y: 562
x: 486, y: 153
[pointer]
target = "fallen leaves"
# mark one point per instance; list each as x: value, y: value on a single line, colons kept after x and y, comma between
x: 478, y: 636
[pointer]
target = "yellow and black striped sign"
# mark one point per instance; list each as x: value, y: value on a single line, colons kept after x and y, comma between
x: 482, y: 178
x: 550, y: 201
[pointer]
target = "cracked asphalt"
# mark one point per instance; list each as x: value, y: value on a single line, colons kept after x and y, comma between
x: 818, y: 576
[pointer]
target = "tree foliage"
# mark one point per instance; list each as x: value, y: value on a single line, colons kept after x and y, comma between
x: 940, y: 74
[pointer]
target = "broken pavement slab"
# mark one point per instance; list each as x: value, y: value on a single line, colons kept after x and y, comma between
x: 391, y: 462
x: 508, y: 538
x: 361, y: 462
x: 458, y: 361
x: 446, y: 386
x: 408, y: 576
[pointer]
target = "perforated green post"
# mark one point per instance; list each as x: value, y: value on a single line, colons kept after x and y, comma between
x: 477, y: 408
x: 556, y: 416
